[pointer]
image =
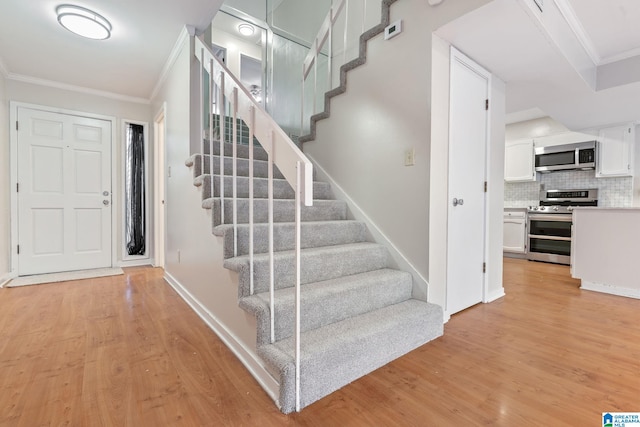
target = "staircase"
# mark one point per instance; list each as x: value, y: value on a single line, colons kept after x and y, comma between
x: 357, y: 311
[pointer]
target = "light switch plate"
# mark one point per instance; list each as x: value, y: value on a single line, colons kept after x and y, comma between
x: 393, y: 29
x: 410, y: 157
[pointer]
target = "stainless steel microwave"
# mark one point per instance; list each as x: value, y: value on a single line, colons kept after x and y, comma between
x: 581, y: 156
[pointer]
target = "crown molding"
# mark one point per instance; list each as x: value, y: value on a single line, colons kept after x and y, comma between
x: 187, y: 31
x: 85, y: 90
x: 578, y: 29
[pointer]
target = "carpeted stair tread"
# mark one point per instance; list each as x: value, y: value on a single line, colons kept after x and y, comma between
x: 328, y: 301
x: 313, y: 234
x: 343, y: 260
x: 281, y: 188
x: 341, y: 352
x: 283, y: 211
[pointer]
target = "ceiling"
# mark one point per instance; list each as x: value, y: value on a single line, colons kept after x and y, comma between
x: 34, y: 46
x: 541, y: 80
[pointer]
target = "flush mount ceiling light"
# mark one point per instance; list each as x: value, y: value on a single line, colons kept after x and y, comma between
x: 246, y: 29
x: 83, y: 22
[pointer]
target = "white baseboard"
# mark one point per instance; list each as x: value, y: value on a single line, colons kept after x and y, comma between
x: 609, y: 289
x: 6, y: 279
x: 248, y: 357
x: 420, y: 284
x: 498, y: 293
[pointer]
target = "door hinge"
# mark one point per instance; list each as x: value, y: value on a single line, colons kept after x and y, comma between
x: 485, y: 186
x: 486, y: 104
x: 18, y: 249
x: 17, y: 187
x: 484, y: 267
x: 17, y: 127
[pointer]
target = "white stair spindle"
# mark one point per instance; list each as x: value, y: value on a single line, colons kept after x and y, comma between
x: 235, y: 171
x: 212, y: 83
x: 271, y: 254
x: 298, y: 202
x: 252, y: 114
x: 222, y: 126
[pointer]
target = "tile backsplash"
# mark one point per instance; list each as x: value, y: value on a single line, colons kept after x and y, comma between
x: 612, y: 192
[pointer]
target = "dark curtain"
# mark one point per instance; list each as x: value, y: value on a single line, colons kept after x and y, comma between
x: 135, y: 191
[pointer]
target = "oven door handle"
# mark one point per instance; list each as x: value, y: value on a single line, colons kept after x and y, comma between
x: 550, y: 217
x: 536, y: 236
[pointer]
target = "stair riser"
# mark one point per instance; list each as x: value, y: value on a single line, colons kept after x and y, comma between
x: 283, y: 211
x: 313, y: 268
x: 260, y: 168
x: 312, y: 236
x: 281, y: 188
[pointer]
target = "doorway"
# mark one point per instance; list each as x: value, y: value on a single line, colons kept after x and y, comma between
x: 468, y: 136
x: 63, y: 201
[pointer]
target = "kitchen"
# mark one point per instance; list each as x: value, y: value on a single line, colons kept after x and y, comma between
x: 568, y: 196
x: 572, y: 75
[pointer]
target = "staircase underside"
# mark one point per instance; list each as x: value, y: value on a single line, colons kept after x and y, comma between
x: 357, y: 310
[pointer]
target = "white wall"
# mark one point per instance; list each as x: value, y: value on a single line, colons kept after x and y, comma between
x: 25, y: 92
x: 5, y: 263
x: 386, y: 111
x: 193, y: 255
x: 235, y: 46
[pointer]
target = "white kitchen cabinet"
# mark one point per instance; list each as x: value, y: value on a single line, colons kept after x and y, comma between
x: 615, y: 151
x: 515, y: 232
x: 519, y: 164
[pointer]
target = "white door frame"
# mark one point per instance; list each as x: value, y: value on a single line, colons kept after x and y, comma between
x: 456, y: 55
x: 13, y: 149
x: 159, y: 184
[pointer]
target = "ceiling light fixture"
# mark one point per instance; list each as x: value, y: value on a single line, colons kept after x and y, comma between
x: 84, y: 22
x: 246, y: 29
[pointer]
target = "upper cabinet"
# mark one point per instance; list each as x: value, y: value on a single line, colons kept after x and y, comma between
x: 519, y: 164
x: 615, y: 151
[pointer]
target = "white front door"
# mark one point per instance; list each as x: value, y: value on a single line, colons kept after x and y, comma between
x: 467, y: 172
x: 64, y: 192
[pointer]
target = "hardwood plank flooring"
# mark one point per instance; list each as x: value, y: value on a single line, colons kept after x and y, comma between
x: 127, y: 351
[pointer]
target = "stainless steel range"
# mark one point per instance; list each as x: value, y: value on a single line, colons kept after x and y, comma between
x: 550, y: 223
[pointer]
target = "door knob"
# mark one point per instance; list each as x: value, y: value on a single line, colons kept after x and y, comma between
x: 457, y: 202
x: 105, y: 202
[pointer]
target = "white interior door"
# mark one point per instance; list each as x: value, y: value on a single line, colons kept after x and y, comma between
x: 64, y: 196
x: 467, y: 172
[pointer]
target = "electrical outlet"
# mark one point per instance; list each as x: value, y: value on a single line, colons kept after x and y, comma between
x: 410, y: 157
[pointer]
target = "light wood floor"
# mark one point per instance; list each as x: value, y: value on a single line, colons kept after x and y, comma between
x: 126, y: 351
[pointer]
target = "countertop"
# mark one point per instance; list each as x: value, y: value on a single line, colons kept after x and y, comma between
x: 598, y: 208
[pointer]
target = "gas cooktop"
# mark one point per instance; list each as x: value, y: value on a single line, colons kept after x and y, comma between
x: 563, y: 201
